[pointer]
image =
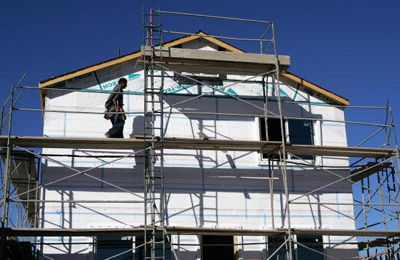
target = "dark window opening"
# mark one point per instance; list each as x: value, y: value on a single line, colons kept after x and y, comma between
x: 314, y: 242
x: 274, y: 131
x: 217, y: 247
x: 198, y: 80
x: 139, y: 252
x: 301, y: 132
x: 273, y: 244
x: 108, y: 246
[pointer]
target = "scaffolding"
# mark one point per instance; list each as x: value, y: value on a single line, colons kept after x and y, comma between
x: 373, y: 171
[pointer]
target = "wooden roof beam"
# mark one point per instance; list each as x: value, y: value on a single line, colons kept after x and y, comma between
x: 216, y: 62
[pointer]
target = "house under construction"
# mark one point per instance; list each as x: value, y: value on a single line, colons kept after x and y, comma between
x: 226, y: 155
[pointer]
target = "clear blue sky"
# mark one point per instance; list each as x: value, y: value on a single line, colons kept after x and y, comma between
x: 349, y: 47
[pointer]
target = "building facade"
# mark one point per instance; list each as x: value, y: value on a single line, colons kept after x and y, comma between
x: 216, y: 189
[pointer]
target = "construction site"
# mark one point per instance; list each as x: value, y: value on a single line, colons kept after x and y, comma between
x: 226, y: 155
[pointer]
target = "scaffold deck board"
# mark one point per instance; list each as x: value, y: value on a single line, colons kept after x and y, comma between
x: 192, y: 60
x: 271, y: 147
x: 368, y: 169
x: 175, y: 230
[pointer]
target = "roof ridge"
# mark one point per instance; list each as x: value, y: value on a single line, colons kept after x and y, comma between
x: 174, y: 42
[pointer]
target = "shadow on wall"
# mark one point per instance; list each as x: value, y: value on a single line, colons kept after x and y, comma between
x: 203, y: 185
x: 196, y: 179
x: 223, y: 104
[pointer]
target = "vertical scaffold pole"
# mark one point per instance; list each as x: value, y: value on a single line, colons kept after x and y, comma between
x: 283, y: 155
x: 395, y: 176
x: 6, y: 181
x: 146, y: 152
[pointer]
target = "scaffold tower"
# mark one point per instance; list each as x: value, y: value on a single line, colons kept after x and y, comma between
x: 373, y: 171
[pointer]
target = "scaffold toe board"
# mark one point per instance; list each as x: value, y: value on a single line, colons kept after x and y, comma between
x: 368, y: 169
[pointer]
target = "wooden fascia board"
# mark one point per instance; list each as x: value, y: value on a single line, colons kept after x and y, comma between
x: 137, y: 55
x: 181, y: 41
x: 186, y: 39
x: 208, y: 38
x: 316, y: 88
x: 90, y: 69
x: 111, y: 63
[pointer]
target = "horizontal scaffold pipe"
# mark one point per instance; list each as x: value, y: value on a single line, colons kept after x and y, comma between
x: 212, y: 16
x: 217, y: 36
x: 83, y: 89
x: 175, y: 230
x: 204, y: 113
x: 241, y: 81
x: 78, y: 201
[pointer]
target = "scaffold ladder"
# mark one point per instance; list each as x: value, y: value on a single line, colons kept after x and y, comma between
x: 153, y: 133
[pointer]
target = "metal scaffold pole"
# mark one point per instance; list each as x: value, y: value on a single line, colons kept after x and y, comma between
x: 282, y: 153
x: 394, y: 186
x: 6, y: 181
x: 154, y: 135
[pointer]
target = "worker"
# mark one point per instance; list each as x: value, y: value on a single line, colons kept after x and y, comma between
x: 115, y: 103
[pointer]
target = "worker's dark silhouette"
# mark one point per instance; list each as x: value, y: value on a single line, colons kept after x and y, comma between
x: 115, y: 103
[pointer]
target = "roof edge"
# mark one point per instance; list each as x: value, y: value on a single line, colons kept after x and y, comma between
x: 308, y: 84
x: 200, y: 34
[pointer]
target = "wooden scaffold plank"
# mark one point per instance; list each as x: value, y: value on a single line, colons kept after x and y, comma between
x: 196, y: 144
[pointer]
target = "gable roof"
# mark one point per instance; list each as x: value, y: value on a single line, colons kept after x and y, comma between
x: 185, y: 39
x: 313, y: 88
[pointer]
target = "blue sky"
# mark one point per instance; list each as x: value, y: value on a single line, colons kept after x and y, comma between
x: 348, y: 47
